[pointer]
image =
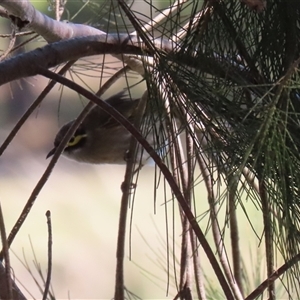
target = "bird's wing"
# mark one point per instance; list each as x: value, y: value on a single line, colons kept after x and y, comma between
x: 122, y: 103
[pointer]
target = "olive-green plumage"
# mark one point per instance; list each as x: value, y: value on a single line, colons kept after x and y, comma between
x: 100, y: 139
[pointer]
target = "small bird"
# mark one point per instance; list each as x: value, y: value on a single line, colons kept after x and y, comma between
x: 100, y: 139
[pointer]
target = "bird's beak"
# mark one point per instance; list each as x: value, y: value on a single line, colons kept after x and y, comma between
x: 51, y: 153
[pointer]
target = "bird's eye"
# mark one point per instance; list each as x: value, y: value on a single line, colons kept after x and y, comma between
x: 75, y: 140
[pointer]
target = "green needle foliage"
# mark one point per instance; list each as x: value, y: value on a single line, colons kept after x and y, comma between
x: 234, y: 73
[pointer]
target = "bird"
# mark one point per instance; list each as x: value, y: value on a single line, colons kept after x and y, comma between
x: 100, y: 139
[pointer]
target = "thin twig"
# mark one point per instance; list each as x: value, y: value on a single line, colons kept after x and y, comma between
x: 9, y: 293
x: 126, y: 188
x: 48, y: 279
x: 190, y: 132
x: 58, y: 7
x: 24, y: 43
x: 11, y: 43
x: 182, y: 175
x: 176, y: 177
x: 232, y: 183
x: 274, y: 276
x: 180, y: 169
x: 199, y: 282
x: 268, y: 236
x: 218, y: 239
x: 24, y: 33
x: 187, y: 185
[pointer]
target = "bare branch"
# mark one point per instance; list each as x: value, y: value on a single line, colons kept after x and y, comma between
x: 234, y: 229
x: 49, y: 271
x: 126, y: 189
x: 51, y: 30
x: 268, y: 229
x: 7, y: 278
x: 51, y: 55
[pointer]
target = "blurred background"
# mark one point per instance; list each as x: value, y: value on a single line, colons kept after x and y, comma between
x: 84, y: 200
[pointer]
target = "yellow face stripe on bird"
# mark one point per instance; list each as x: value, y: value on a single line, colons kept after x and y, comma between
x: 75, y: 140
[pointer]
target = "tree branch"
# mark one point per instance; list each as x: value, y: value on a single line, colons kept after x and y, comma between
x: 50, y: 29
x: 51, y: 55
